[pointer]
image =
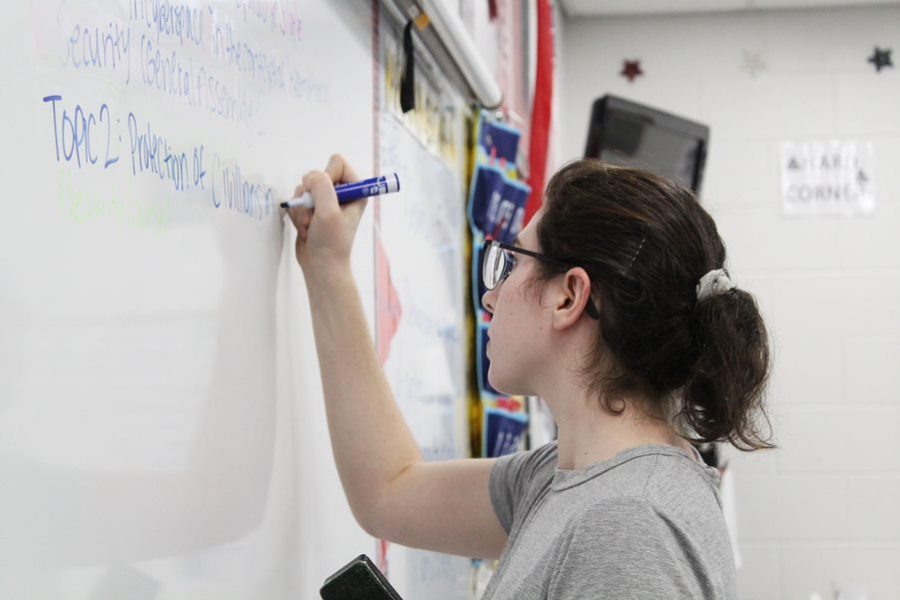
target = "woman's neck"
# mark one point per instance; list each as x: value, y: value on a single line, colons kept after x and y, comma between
x: 591, y: 436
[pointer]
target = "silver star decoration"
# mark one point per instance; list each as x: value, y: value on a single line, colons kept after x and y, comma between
x: 753, y: 63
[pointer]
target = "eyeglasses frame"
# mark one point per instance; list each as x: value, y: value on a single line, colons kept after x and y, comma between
x: 590, y: 309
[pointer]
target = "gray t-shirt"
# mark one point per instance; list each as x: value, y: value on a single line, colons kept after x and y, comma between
x: 645, y: 524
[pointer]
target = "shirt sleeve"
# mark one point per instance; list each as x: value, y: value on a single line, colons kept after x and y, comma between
x: 511, y: 479
x: 625, y: 549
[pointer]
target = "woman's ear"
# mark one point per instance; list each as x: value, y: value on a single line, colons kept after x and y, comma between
x: 570, y: 297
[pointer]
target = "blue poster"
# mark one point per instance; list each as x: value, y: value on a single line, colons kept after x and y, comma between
x: 503, y: 431
x: 498, y: 142
x: 496, y: 203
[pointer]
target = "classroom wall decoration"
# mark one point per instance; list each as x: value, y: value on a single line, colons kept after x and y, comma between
x: 752, y: 63
x: 631, y: 70
x: 833, y: 177
x: 881, y: 58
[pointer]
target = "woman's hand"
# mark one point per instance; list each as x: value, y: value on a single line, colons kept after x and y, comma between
x: 325, y: 233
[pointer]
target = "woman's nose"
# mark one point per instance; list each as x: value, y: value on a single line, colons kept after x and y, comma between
x: 487, y: 301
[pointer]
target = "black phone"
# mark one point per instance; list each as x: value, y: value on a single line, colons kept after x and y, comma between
x: 359, y: 579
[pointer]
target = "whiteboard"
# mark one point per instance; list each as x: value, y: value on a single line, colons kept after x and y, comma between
x: 161, y: 423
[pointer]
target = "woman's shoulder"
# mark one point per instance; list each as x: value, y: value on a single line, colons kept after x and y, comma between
x: 518, y: 479
x: 682, y: 484
x: 676, y: 486
x: 531, y: 462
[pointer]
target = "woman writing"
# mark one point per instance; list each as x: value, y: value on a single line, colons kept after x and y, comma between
x: 613, y: 306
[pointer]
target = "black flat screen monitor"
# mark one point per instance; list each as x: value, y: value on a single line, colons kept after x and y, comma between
x: 625, y: 133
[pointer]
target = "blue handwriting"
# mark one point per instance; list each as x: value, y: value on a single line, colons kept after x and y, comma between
x: 72, y: 133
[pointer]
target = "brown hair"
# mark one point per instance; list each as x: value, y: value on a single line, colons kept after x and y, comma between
x: 645, y: 242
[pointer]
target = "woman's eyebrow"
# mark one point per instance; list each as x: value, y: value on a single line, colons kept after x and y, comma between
x: 517, y: 242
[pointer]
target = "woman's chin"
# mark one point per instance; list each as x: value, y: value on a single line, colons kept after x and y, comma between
x: 496, y: 385
x: 502, y: 387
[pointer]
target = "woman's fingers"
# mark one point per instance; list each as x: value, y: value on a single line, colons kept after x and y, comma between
x: 325, y: 233
x: 322, y: 191
x: 339, y: 170
x: 301, y: 216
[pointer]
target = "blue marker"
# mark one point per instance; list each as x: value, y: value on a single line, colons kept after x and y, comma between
x: 348, y: 192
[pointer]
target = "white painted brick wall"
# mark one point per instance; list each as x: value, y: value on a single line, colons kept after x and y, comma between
x: 825, y: 507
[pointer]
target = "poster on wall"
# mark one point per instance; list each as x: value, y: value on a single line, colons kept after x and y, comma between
x: 828, y: 178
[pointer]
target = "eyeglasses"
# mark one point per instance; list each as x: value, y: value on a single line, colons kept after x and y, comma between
x: 498, y: 259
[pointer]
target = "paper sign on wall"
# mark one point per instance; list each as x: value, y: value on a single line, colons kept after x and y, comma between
x: 827, y: 178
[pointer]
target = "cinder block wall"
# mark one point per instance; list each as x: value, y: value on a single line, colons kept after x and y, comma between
x: 825, y: 507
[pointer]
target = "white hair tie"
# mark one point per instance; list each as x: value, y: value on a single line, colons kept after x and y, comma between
x: 714, y: 283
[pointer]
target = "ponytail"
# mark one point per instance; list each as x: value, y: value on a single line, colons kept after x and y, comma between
x: 726, y: 385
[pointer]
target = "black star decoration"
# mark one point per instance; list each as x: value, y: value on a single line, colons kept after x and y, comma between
x: 881, y: 58
x: 631, y: 70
